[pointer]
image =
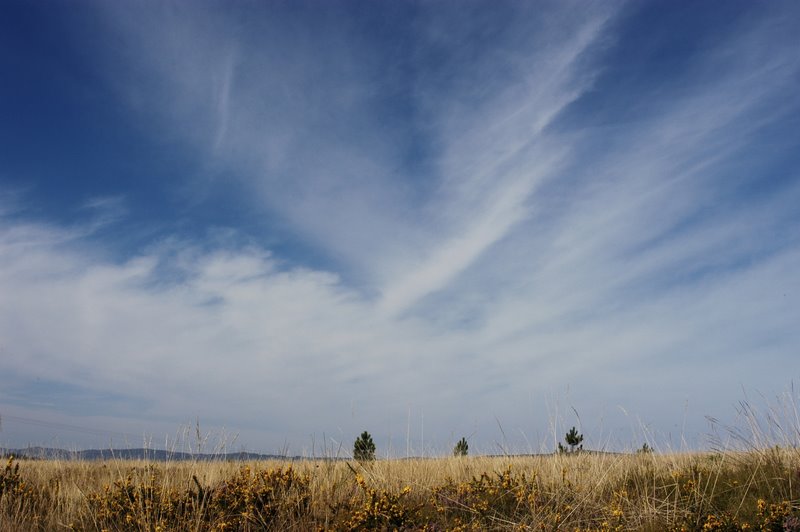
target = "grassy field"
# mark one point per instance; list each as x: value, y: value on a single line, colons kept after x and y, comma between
x: 753, y: 490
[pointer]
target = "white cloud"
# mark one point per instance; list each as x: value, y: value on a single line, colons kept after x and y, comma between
x: 531, y: 255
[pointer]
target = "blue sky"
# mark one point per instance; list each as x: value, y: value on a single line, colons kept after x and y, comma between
x: 295, y: 221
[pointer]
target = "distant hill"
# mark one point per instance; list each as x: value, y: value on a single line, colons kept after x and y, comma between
x: 48, y: 453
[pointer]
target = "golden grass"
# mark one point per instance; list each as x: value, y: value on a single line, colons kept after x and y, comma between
x: 753, y: 490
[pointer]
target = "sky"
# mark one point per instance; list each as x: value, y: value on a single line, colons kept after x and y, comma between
x: 285, y: 223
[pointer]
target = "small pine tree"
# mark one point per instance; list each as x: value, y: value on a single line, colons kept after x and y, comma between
x: 461, y: 448
x: 364, y: 448
x: 573, y: 439
x: 646, y: 449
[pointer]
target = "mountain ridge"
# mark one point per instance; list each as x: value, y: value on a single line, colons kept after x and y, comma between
x: 142, y: 453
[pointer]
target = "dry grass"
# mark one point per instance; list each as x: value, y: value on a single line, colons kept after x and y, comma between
x: 753, y: 490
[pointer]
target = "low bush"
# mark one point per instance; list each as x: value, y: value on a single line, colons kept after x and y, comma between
x: 756, y: 490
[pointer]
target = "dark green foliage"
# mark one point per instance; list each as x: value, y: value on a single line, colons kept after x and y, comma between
x: 574, y: 440
x: 461, y: 448
x: 364, y: 448
x: 646, y: 449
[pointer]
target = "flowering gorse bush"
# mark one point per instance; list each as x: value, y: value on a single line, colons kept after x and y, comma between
x: 573, y: 491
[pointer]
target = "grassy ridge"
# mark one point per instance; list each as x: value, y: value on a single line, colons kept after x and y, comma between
x: 754, y: 490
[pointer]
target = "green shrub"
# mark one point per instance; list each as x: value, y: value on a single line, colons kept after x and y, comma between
x: 461, y: 448
x: 573, y: 439
x: 364, y: 448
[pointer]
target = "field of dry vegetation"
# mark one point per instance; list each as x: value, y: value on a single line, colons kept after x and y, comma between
x: 753, y: 490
